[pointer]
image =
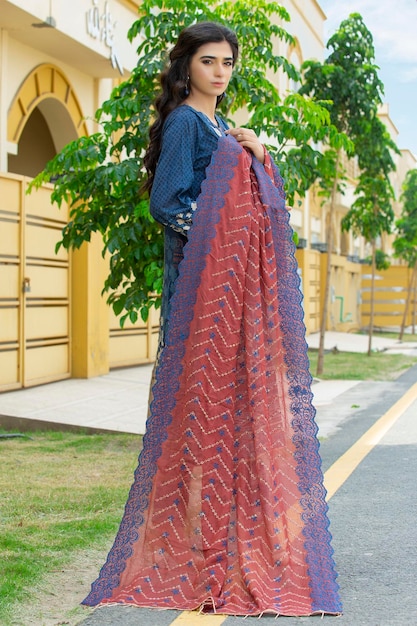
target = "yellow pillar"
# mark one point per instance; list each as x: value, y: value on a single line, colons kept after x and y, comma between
x: 323, y: 278
x: 89, y: 311
x: 301, y: 255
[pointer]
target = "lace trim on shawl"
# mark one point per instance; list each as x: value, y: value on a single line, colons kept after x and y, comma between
x: 305, y: 440
x: 166, y: 385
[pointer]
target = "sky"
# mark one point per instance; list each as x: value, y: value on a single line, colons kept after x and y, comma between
x: 393, y: 25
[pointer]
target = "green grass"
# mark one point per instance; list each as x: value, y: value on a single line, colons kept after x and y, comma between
x: 60, y: 493
x: 407, y: 337
x: 360, y: 366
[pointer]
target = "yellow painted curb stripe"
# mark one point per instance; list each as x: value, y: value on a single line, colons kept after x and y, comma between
x: 341, y: 469
x: 193, y: 618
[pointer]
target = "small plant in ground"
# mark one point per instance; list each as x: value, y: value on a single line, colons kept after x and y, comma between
x: 348, y: 80
x: 405, y: 243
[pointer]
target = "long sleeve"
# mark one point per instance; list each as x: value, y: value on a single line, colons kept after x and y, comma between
x: 173, y: 193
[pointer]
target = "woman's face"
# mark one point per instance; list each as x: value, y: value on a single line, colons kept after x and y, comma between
x: 210, y: 69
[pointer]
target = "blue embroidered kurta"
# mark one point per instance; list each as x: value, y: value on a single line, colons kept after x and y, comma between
x: 188, y: 142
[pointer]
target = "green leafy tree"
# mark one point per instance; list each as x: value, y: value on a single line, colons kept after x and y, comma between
x: 371, y: 215
x: 348, y: 80
x: 405, y: 243
x: 382, y: 260
x: 101, y: 175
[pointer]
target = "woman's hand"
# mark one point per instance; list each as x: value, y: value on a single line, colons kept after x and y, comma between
x: 248, y: 139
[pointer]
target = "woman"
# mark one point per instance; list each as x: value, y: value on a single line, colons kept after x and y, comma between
x: 190, y: 134
x: 227, y: 511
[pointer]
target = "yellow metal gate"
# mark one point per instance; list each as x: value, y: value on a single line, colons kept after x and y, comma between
x: 34, y: 287
x: 134, y: 343
x: 309, y: 270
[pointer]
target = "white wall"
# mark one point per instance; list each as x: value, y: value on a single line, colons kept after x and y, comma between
x: 71, y: 26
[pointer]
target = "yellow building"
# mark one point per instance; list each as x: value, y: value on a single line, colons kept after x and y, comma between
x: 58, y: 62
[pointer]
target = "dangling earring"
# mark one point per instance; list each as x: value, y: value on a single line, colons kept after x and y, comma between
x: 187, y: 86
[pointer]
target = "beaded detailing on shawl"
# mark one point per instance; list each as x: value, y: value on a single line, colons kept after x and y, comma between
x: 227, y: 510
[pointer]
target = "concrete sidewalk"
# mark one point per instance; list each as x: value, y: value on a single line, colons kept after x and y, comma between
x: 118, y: 401
x: 352, y: 342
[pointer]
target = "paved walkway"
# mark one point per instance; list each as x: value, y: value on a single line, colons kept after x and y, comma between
x: 118, y: 401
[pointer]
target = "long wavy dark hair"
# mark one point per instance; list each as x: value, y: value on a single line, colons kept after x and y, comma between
x: 174, y: 82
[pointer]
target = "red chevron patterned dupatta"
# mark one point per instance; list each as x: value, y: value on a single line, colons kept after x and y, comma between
x: 227, y: 511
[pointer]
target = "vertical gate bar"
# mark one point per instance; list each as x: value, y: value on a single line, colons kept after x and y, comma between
x: 22, y: 293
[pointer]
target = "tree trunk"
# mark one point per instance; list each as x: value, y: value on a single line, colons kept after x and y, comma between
x: 371, y: 314
x: 410, y: 291
x: 414, y: 300
x: 329, y: 241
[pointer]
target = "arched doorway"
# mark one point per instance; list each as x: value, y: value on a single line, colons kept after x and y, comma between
x: 35, y: 282
x: 27, y: 161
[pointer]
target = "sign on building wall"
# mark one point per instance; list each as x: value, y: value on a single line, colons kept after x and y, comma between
x: 102, y: 26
